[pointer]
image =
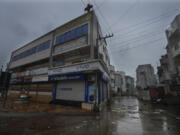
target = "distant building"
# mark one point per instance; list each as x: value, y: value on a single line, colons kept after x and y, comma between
x: 130, y: 86
x: 68, y: 63
x: 145, y: 78
x: 118, y: 81
x: 112, y: 80
x: 123, y: 89
x: 164, y: 73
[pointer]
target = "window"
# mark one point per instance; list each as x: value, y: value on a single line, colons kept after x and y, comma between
x: 32, y: 51
x: 43, y: 46
x: 77, y: 32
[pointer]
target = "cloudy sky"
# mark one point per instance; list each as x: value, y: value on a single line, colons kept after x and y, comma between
x: 138, y: 26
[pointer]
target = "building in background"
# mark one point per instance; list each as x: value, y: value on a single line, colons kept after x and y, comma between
x: 169, y: 69
x: 118, y: 88
x: 145, y: 78
x: 122, y: 82
x: 70, y: 64
x: 112, y: 82
x: 118, y: 82
x: 130, y: 86
x: 163, y: 73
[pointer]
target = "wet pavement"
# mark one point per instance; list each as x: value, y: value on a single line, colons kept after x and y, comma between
x: 125, y: 116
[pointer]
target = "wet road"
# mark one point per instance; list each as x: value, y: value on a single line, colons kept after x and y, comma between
x: 128, y: 116
x: 125, y: 116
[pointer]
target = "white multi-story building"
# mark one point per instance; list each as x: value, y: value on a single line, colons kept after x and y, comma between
x: 169, y: 70
x: 173, y: 49
x: 71, y: 63
x: 122, y: 86
x: 130, y: 86
x: 145, y: 76
x: 145, y: 79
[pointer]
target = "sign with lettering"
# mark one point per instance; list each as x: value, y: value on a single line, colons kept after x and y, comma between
x: 88, y: 66
x: 76, y: 68
x: 69, y: 76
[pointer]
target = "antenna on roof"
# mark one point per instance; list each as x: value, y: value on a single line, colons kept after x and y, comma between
x: 88, y: 7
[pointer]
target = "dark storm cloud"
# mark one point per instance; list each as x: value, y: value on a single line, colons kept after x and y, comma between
x: 23, y: 21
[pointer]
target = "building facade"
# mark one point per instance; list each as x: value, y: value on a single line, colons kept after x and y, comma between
x: 112, y: 82
x: 118, y: 81
x: 173, y: 49
x: 130, y: 86
x: 168, y: 71
x: 164, y: 73
x: 122, y: 76
x: 70, y: 62
x: 145, y: 78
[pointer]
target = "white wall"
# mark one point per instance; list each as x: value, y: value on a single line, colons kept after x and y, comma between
x: 32, y: 58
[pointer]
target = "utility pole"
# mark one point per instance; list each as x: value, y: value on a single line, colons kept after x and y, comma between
x: 102, y: 38
x: 96, y: 82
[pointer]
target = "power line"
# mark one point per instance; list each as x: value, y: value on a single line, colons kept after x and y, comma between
x: 105, y: 20
x: 125, y: 12
x: 140, y: 38
x: 150, y: 23
x: 136, y: 32
x: 137, y: 35
x: 148, y: 20
x: 83, y: 2
x: 102, y: 3
x: 144, y: 44
x: 127, y: 44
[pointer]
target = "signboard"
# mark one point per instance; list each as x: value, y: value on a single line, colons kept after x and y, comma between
x: 40, y: 78
x: 76, y: 68
x: 91, y: 65
x: 69, y: 76
x: 39, y: 71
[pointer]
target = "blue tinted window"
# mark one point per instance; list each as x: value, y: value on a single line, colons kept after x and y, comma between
x: 43, y: 46
x: 73, y: 33
x: 33, y: 50
x: 65, y: 37
x: 77, y: 32
x: 85, y: 29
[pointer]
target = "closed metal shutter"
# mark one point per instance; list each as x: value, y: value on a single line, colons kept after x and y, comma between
x: 73, y: 90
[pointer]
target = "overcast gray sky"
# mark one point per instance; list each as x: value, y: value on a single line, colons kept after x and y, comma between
x: 138, y: 26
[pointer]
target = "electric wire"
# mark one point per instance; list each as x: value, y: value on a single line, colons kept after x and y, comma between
x: 125, y: 13
x: 148, y: 20
x: 103, y: 17
x: 83, y: 2
x: 139, y: 38
x: 143, y: 44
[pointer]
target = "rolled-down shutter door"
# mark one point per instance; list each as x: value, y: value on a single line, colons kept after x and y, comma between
x: 73, y: 90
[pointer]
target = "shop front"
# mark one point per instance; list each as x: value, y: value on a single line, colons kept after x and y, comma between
x: 77, y: 88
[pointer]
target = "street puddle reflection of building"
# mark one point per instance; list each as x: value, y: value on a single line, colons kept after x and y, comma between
x: 127, y: 118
